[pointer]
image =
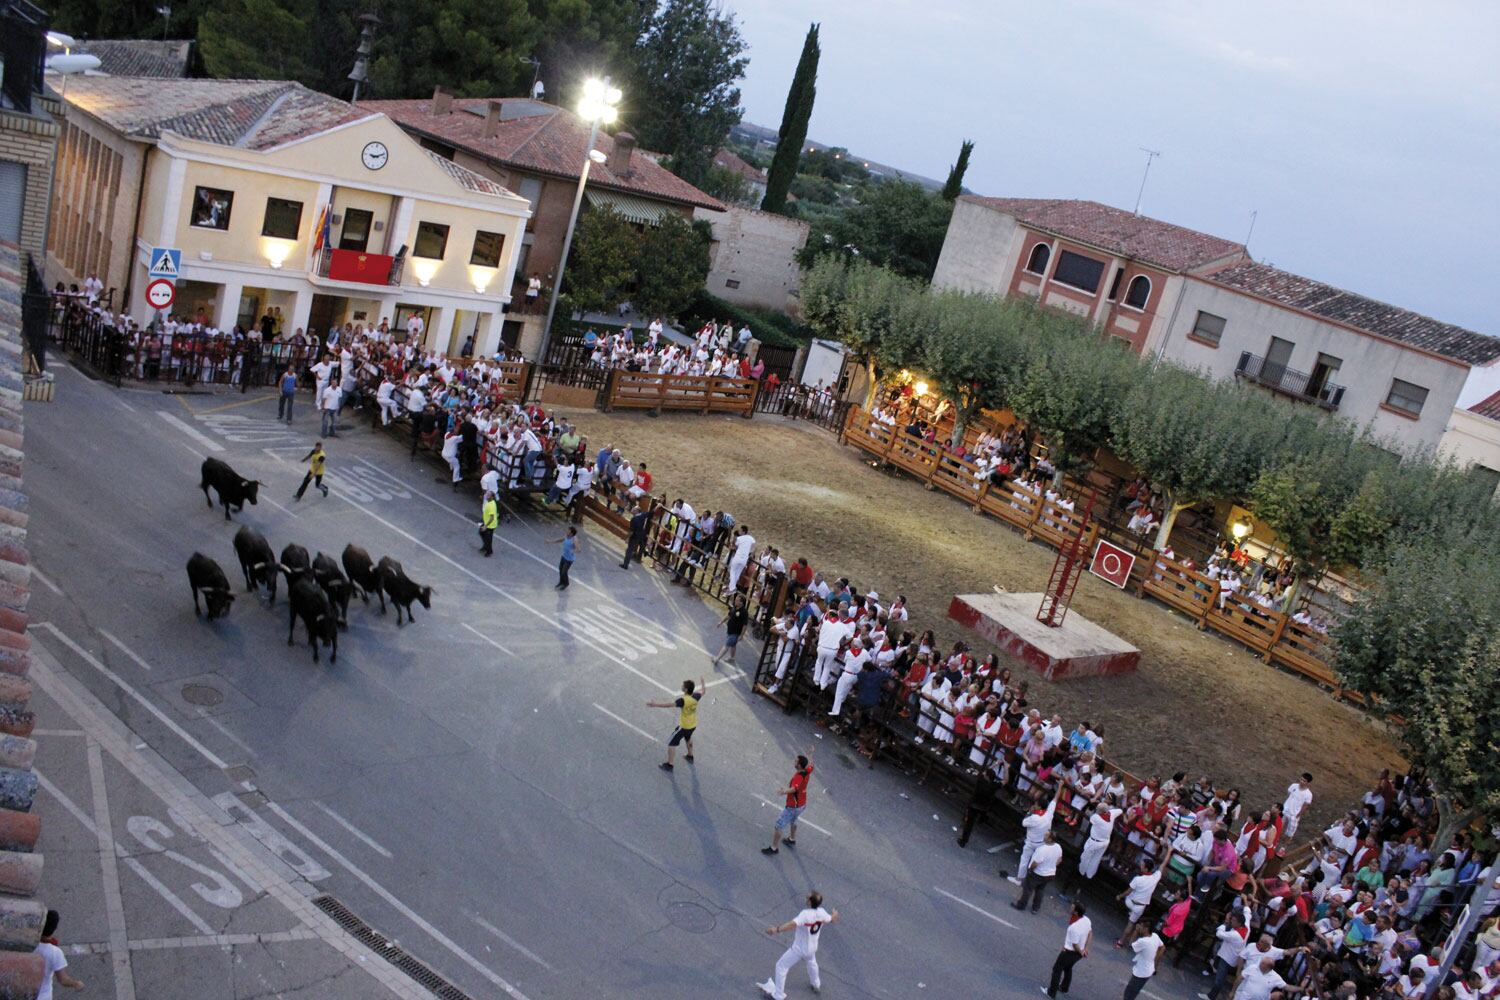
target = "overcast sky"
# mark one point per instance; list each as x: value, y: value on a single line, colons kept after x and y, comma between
x: 1367, y: 135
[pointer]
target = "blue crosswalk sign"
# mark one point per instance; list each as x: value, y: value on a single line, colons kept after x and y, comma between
x: 166, y: 262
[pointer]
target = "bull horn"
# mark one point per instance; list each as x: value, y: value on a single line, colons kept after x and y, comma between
x: 260, y: 565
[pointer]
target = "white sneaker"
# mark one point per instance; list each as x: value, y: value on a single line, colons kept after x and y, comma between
x: 1012, y: 879
x: 772, y: 689
x: 768, y: 988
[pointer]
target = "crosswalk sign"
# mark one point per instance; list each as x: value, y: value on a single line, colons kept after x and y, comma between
x: 166, y: 262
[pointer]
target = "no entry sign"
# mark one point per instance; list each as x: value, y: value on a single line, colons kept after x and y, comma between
x: 160, y: 293
x: 1112, y: 563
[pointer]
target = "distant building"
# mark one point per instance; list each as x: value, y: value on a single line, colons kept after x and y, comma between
x: 140, y: 56
x: 537, y: 150
x: 30, y: 122
x: 1472, y: 438
x: 1201, y: 301
x: 753, y: 260
x: 755, y: 178
x: 284, y: 202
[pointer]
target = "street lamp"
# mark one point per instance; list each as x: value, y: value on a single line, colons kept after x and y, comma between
x: 597, y: 107
x: 1241, y: 529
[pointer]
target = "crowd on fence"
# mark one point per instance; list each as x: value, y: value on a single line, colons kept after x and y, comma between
x: 717, y: 350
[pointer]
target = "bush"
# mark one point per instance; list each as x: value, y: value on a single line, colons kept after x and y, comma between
x: 773, y: 328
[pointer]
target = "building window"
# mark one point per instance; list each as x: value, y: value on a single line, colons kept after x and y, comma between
x: 1208, y: 328
x: 1406, y: 397
x: 1488, y: 476
x: 487, y: 247
x: 1140, y: 292
x: 1114, y: 286
x: 211, y: 208
x: 1078, y: 271
x: 731, y: 282
x: 283, y: 218
x: 1037, y: 262
x: 432, y: 240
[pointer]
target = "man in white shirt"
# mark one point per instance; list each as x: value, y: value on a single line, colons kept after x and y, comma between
x: 1136, y: 897
x: 1142, y: 964
x: 414, y: 328
x: 385, y: 397
x: 53, y: 961
x: 583, y: 480
x: 1040, y: 871
x: 831, y: 633
x: 1231, y: 936
x: 416, y: 401
x: 1037, y: 824
x: 1076, y: 940
x: 744, y: 545
x: 809, y: 925
x: 1101, y: 829
x: 329, y: 399
x: 1259, y: 981
x: 855, y: 658
x: 1298, y: 797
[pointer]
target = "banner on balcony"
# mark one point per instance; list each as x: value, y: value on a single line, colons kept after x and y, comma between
x: 366, y: 268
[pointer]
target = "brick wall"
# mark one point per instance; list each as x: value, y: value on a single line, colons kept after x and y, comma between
x: 31, y: 139
x: 754, y: 256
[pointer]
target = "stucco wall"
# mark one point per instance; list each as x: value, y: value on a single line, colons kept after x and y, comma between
x: 754, y: 256
x: 92, y: 221
x: 980, y: 250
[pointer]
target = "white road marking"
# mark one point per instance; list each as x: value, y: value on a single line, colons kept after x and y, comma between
x: 487, y: 639
x: 738, y: 674
x: 88, y: 824
x: 126, y: 650
x: 608, y: 653
x: 229, y: 735
x: 401, y: 907
x: 46, y: 582
x: 625, y: 722
x: 114, y: 906
x: 533, y: 556
x: 199, y: 941
x: 190, y: 431
x: 964, y: 902
x: 341, y: 821
x: 57, y: 732
x: 119, y: 681
x: 510, y: 941
x: 800, y: 822
x: 278, y: 506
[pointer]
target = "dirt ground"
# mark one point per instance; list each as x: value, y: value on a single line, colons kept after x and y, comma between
x: 1198, y: 703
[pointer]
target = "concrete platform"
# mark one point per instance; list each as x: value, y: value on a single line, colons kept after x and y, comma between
x: 1077, y: 648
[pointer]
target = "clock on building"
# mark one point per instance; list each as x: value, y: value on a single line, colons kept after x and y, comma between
x: 374, y: 155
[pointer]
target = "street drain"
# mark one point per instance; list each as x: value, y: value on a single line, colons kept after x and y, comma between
x: 202, y: 694
x: 392, y: 953
x: 691, y: 917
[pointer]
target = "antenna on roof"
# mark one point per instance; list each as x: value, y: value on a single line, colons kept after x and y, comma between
x: 1151, y: 154
x: 1253, y: 214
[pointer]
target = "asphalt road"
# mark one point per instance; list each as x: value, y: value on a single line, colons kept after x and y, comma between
x: 482, y: 785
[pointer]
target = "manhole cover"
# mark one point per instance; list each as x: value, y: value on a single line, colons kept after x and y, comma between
x: 691, y: 917
x: 201, y: 694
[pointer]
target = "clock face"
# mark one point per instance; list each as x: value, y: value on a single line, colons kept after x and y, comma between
x: 374, y: 155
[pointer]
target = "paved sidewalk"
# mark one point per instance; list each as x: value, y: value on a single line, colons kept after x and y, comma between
x: 164, y: 892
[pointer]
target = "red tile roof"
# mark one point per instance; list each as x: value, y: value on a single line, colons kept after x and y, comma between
x: 1331, y: 303
x: 1488, y: 407
x: 1117, y: 231
x: 552, y: 141
x: 732, y: 162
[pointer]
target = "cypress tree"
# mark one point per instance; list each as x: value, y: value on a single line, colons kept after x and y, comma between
x: 955, y: 184
x: 799, y: 105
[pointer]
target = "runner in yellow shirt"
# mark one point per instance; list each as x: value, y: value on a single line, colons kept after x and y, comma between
x: 315, y: 459
x: 687, y: 720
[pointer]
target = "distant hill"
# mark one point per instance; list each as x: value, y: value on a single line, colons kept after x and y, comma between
x: 760, y: 135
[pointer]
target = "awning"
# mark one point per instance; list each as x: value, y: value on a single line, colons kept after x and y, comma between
x: 647, y: 213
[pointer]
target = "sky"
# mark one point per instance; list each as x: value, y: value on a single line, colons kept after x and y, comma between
x: 1366, y: 136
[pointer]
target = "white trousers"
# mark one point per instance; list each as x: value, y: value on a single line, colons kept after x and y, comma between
x: 1027, y: 850
x: 783, y: 657
x: 845, y: 685
x: 823, y: 669
x: 736, y: 570
x: 1088, y: 860
x: 453, y: 464
x: 784, y: 965
x: 388, y: 409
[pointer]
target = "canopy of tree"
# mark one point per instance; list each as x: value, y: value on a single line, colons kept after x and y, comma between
x: 660, y: 269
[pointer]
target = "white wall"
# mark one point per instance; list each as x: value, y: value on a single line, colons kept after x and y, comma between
x: 757, y: 252
x: 979, y: 251
x: 825, y: 358
x: 1472, y: 440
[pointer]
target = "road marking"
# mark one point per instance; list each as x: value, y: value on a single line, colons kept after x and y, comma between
x: 341, y: 821
x: 114, y: 905
x: 190, y: 431
x: 278, y: 506
x: 249, y: 750
x: 126, y: 650
x: 625, y: 722
x: 119, y: 681
x: 199, y: 941
x: 88, y: 824
x: 400, y: 907
x: 487, y: 639
x: 510, y: 941
x: 231, y: 406
x: 800, y: 822
x: 46, y: 582
x: 964, y: 902
x: 738, y: 674
x: 533, y: 556
x: 57, y: 732
x: 609, y: 654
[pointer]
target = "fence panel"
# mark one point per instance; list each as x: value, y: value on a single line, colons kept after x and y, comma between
x: 1303, y: 649
x: 1255, y: 628
x: 1012, y: 503
x: 705, y: 394
x: 1179, y: 587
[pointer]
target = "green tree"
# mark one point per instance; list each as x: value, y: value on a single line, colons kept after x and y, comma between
x: 603, y: 261
x: 794, y: 119
x: 727, y: 186
x: 896, y: 225
x: 255, y: 39
x: 1071, y: 388
x: 954, y: 186
x: 474, y: 47
x: 1421, y: 643
x: 864, y: 307
x: 683, y: 98
x: 975, y: 352
x: 671, y: 266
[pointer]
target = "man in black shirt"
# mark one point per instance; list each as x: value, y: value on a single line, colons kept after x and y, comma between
x: 635, y: 545
x: 734, y: 624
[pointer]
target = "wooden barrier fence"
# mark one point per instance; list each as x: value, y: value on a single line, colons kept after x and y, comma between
x: 1272, y: 635
x: 701, y: 393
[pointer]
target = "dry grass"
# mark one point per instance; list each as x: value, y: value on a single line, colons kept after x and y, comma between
x: 1198, y: 703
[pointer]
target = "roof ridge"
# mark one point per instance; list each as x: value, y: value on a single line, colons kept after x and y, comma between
x: 280, y: 99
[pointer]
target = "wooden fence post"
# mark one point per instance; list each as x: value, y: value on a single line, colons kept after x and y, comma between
x: 754, y: 399
x: 710, y: 388
x: 1036, y: 512
x: 1276, y: 635
x: 608, y: 400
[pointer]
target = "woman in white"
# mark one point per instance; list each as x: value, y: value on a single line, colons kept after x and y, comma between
x: 934, y: 692
x: 985, y: 728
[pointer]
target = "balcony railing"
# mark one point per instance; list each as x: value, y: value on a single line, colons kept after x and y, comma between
x: 1289, y: 382
x: 359, y: 266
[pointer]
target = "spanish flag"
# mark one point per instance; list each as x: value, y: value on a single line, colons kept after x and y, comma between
x: 323, y: 230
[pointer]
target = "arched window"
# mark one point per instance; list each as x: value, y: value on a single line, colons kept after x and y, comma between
x: 1139, y: 293
x: 1037, y: 262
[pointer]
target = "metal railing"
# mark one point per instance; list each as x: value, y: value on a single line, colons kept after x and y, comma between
x: 1289, y: 382
x: 325, y: 261
x: 798, y: 402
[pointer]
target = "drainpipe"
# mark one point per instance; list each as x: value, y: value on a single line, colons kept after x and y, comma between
x: 135, y: 230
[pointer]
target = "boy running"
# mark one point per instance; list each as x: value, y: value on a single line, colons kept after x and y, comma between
x: 316, y: 460
x: 687, y: 720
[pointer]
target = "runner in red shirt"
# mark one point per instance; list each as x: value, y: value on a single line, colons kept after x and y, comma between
x: 796, y: 801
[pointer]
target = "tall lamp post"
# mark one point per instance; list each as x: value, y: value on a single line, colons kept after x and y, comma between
x: 598, y: 107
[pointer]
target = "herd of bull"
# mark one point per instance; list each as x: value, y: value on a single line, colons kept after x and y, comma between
x: 318, y: 590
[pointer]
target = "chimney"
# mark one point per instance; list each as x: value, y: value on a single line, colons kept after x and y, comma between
x: 442, y: 100
x: 619, y: 157
x: 492, y: 119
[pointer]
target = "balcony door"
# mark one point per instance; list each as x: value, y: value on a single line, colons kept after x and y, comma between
x: 356, y: 232
x: 1278, y: 356
x: 1323, y: 373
